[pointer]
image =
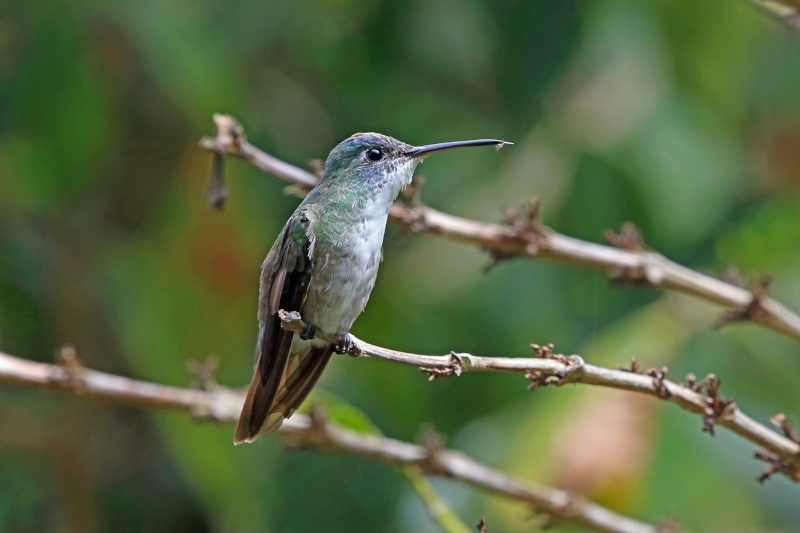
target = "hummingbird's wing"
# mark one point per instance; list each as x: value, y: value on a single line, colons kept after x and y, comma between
x: 281, y: 383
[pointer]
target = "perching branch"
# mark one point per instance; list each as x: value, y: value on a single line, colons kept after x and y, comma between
x: 528, y: 238
x: 548, y: 368
x: 223, y: 405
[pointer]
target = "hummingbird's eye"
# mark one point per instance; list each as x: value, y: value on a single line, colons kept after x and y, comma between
x: 373, y: 154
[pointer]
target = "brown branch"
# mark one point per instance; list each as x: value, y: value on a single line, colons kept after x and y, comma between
x: 553, y: 369
x: 787, y: 11
x: 504, y: 241
x: 223, y: 405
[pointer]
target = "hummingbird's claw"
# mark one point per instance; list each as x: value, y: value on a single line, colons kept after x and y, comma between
x: 309, y: 333
x: 346, y: 345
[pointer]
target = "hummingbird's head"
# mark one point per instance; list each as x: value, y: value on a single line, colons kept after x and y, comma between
x: 372, y: 159
x: 382, y: 162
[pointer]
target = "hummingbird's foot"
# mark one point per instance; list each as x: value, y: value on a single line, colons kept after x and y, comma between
x: 309, y: 333
x: 346, y: 345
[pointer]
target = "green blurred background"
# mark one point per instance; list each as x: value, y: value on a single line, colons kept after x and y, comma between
x: 682, y: 116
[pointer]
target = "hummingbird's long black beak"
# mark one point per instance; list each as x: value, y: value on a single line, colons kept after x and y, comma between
x: 419, y: 151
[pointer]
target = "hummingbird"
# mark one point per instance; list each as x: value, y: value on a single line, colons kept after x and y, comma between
x: 324, y: 264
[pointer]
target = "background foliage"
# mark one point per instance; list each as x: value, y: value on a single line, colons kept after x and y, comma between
x: 682, y: 116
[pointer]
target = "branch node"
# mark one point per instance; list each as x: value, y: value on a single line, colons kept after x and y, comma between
x: 228, y: 136
x: 315, y: 436
x: 571, y: 507
x: 754, y: 311
x: 67, y: 359
x: 319, y: 423
x: 433, y: 442
x: 542, y: 352
x: 776, y: 465
x: 784, y: 424
x: 717, y: 406
x: 629, y: 238
x: 691, y: 382
x: 204, y: 373
x: 414, y: 215
x: 649, y: 273
x: 634, y: 369
x: 455, y: 367
x: 627, y: 277
x: 572, y: 371
x: 525, y: 224
x: 481, y: 526
x: 659, y: 376
x: 659, y: 381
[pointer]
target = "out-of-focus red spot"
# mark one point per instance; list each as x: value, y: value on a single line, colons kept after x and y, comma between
x: 781, y: 149
x: 219, y: 261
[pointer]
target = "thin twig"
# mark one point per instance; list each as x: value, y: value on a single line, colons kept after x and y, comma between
x: 548, y: 368
x: 504, y: 241
x: 438, y: 509
x: 223, y: 405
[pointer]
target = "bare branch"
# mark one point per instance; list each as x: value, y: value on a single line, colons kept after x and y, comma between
x: 787, y: 11
x: 534, y: 240
x: 548, y: 368
x: 223, y: 405
x: 229, y: 139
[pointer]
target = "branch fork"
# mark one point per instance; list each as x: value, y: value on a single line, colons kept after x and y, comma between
x: 228, y: 136
x: 754, y: 311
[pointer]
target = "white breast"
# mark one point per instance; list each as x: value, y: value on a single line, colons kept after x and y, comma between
x: 345, y: 274
x: 343, y: 279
